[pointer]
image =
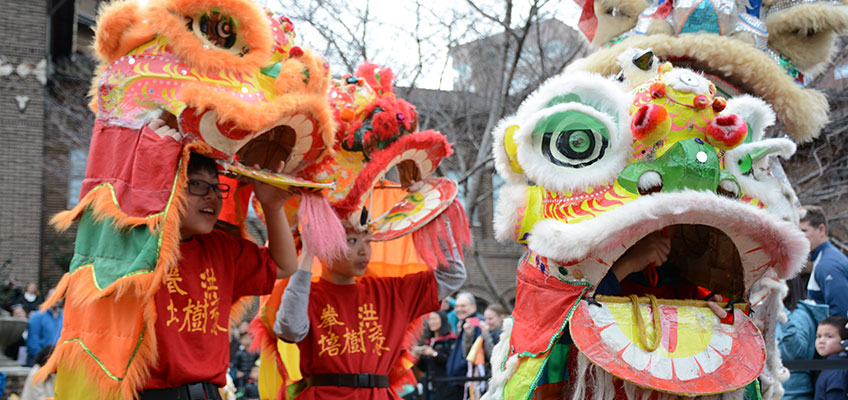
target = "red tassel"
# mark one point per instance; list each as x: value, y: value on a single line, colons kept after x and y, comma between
x: 426, y: 239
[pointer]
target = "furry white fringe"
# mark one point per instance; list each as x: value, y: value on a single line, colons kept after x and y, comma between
x: 589, y: 376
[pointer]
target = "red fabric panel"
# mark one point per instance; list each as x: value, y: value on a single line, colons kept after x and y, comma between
x: 542, y: 303
x: 139, y: 164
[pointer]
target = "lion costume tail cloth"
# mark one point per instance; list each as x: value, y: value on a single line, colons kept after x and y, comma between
x: 377, y: 135
x: 227, y: 75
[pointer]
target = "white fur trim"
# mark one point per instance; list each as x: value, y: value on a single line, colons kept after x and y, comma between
x: 756, y: 112
x: 562, y: 178
x: 604, y: 235
x: 508, y: 211
x: 779, y: 198
x: 600, y: 98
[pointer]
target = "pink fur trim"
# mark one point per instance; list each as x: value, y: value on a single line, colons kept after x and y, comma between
x: 321, y: 227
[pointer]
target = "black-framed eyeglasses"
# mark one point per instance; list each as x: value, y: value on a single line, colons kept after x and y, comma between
x: 199, y: 187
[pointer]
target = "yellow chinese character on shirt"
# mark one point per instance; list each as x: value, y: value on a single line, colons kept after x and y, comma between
x: 369, y: 320
x: 172, y: 310
x: 211, y: 299
x: 329, y: 343
x: 354, y: 341
x: 195, y: 317
x: 375, y: 335
x: 329, y: 318
x: 367, y: 312
x: 172, y: 281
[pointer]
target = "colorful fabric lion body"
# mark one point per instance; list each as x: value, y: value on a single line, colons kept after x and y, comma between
x: 227, y: 76
x: 594, y: 164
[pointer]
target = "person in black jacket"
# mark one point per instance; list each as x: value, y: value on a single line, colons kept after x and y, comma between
x: 244, y: 361
x: 437, y: 342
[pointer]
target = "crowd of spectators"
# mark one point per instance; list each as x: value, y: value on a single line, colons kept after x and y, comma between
x: 457, y: 343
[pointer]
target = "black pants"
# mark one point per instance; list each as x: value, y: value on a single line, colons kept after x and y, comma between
x: 194, y: 391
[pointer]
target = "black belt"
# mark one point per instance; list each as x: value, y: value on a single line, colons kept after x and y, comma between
x: 350, y: 380
x: 192, y: 391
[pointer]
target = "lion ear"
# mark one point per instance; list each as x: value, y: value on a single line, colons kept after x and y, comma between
x: 807, y: 33
x: 505, y: 149
x: 120, y: 28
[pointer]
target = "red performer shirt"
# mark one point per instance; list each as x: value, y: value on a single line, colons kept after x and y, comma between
x: 193, y: 307
x: 360, y: 329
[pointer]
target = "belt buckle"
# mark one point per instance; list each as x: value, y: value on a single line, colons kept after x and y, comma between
x: 196, y: 391
x: 362, y: 380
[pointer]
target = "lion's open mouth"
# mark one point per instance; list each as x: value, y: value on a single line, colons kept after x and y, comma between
x: 702, y: 261
x: 269, y: 149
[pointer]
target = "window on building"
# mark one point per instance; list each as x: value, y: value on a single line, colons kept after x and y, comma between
x: 76, y: 173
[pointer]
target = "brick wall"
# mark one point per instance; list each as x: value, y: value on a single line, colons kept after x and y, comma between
x: 22, y: 25
x: 501, y: 261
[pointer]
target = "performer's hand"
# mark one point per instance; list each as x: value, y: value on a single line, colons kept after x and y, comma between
x: 717, y: 310
x: 161, y: 128
x: 651, y: 250
x: 415, y: 186
x: 271, y: 197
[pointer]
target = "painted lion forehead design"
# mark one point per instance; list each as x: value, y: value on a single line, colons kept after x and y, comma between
x: 592, y: 169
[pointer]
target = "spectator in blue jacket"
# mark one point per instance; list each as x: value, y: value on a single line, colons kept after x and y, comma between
x: 829, y: 281
x: 44, y: 329
x: 796, y: 339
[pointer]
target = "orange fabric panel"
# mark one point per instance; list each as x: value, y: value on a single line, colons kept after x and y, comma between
x: 112, y: 325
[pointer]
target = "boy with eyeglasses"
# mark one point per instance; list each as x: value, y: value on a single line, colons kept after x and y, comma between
x: 214, y: 270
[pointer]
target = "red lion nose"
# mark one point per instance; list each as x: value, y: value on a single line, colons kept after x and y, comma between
x: 650, y: 123
x: 727, y: 131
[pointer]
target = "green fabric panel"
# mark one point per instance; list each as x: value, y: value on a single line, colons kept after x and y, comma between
x: 114, y: 253
x: 558, y: 363
x: 752, y: 391
x: 519, y: 384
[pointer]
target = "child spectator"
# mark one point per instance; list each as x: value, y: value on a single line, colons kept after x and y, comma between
x: 832, y: 384
x: 350, y: 332
x: 437, y: 343
x: 213, y: 266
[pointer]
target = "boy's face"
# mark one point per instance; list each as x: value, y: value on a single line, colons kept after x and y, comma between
x: 827, y: 340
x: 201, y: 212
x: 356, y: 259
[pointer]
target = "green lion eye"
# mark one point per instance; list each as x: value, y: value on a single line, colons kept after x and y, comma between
x: 571, y: 139
x: 579, y: 141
